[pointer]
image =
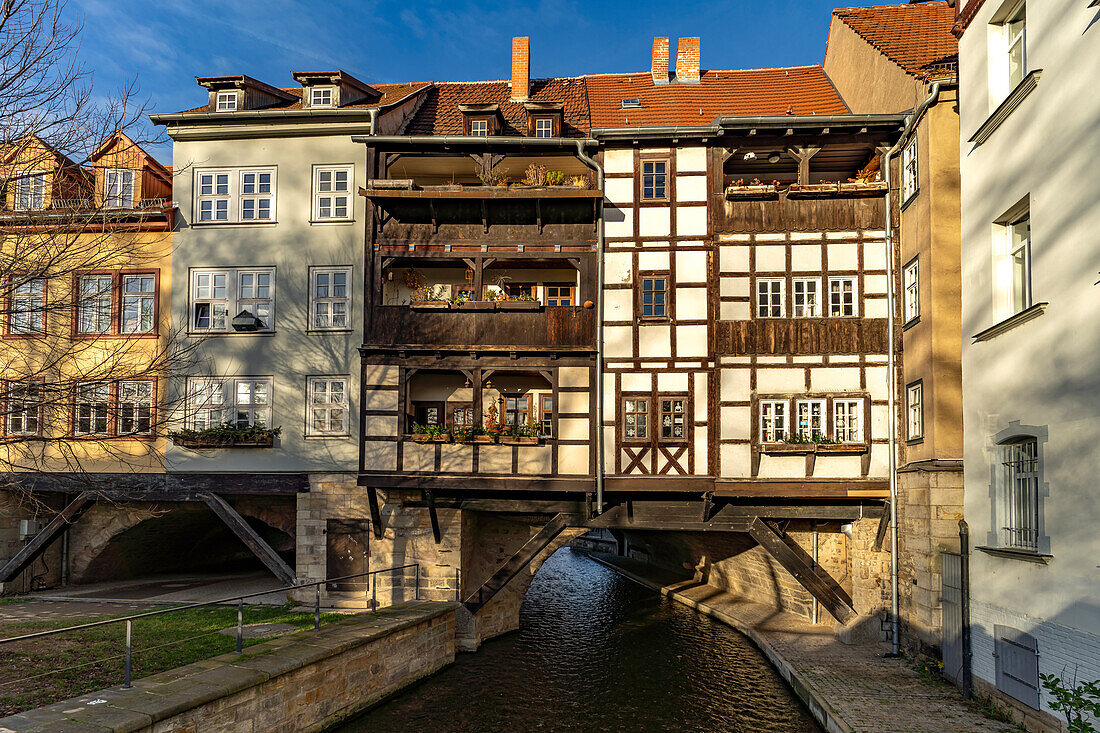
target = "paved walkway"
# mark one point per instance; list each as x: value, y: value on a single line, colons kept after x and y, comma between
x: 13, y: 613
x: 847, y: 687
x: 172, y: 589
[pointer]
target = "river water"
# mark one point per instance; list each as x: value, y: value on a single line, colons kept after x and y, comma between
x: 598, y: 652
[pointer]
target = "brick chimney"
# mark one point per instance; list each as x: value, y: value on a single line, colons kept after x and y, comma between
x: 521, y: 69
x: 659, y: 69
x: 687, y: 60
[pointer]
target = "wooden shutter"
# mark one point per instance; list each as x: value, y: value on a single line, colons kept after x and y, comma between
x: 1017, y: 664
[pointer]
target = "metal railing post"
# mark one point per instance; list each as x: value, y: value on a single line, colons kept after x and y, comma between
x: 240, y: 625
x: 374, y: 593
x: 418, y: 581
x: 129, y: 650
x: 458, y: 588
x: 317, y: 608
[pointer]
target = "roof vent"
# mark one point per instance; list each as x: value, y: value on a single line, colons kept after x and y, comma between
x: 631, y: 104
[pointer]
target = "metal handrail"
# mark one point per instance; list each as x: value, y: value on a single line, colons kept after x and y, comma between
x: 239, y: 598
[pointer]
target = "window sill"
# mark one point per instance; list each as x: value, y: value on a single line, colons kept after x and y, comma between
x: 910, y: 323
x: 1011, y: 554
x: 1011, y: 322
x: 339, y: 436
x: 330, y: 330
x: 261, y: 223
x: 911, y: 199
x: 915, y: 441
x: 1005, y: 108
x: 201, y: 334
x: 331, y: 221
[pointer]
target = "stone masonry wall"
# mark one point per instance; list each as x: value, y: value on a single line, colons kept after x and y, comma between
x: 47, y: 569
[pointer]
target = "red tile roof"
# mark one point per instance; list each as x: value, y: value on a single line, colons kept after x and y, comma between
x: 390, y: 93
x: 798, y: 90
x: 440, y: 115
x: 918, y: 38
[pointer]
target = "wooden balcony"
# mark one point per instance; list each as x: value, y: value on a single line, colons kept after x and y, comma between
x: 826, y: 207
x: 548, y: 328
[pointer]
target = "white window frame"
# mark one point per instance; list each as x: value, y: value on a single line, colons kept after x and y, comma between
x: 133, y: 397
x: 236, y: 297
x: 479, y: 128
x: 24, y: 408
x: 30, y: 191
x: 914, y: 411
x: 145, y: 302
x: 95, y: 411
x: 118, y: 188
x: 321, y: 406
x: 544, y: 123
x: 251, y: 397
x: 910, y: 180
x: 1020, y: 468
x: 226, y: 101
x: 206, y: 406
x: 767, y: 290
x: 97, y: 304
x: 235, y: 196
x: 804, y: 410
x: 327, y: 194
x: 838, y: 306
x: 1019, y: 263
x: 28, y: 307
x: 810, y: 297
x: 1015, y: 42
x: 314, y: 92
x: 323, y: 301
x: 213, y: 402
x: 774, y: 423
x: 847, y: 420
x: 910, y: 278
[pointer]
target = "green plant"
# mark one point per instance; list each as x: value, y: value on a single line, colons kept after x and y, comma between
x: 462, y: 297
x: 432, y: 431
x: 428, y: 293
x: 466, y: 433
x: 492, y: 177
x: 555, y: 178
x: 227, y: 433
x: 492, y: 425
x: 520, y: 295
x: 798, y: 439
x: 580, y: 182
x: 535, y: 175
x: 1076, y: 701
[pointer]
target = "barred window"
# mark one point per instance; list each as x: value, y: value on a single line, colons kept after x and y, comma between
x: 1020, y: 494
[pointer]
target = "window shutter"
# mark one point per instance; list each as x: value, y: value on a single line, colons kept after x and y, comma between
x: 1017, y: 664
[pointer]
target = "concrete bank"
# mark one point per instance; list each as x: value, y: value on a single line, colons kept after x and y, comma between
x: 847, y: 688
x: 306, y: 681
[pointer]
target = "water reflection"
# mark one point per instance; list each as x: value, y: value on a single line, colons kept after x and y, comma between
x: 596, y: 652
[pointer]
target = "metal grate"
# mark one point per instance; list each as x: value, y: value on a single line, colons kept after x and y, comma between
x: 1020, y: 495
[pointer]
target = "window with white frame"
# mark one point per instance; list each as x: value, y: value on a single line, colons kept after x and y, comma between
x: 479, y: 128
x: 328, y: 406
x: 1020, y: 493
x: 810, y: 419
x: 252, y: 402
x: 1015, y: 45
x: 1019, y: 255
x: 139, y: 299
x: 842, y: 296
x: 544, y: 127
x: 909, y: 181
x: 28, y: 301
x: 807, y: 297
x: 135, y: 408
x: 94, y: 305
x: 92, y: 408
x: 636, y: 418
x: 330, y: 301
x: 118, y: 188
x: 848, y: 421
x: 226, y: 101
x: 320, y: 97
x: 30, y: 192
x: 205, y: 403
x: 241, y: 401
x: 910, y: 277
x: 914, y: 410
x: 773, y: 421
x: 769, y: 298
x: 332, y: 193
x: 235, y: 195
x: 217, y: 295
x: 24, y: 408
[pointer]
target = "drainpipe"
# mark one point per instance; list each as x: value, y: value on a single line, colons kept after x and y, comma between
x: 891, y: 360
x: 815, y: 570
x: 590, y: 162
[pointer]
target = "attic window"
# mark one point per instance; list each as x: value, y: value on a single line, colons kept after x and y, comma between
x: 479, y: 128
x: 320, y: 97
x: 631, y: 104
x: 227, y: 101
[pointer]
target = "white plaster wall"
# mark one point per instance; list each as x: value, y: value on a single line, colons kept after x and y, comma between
x: 1045, y: 372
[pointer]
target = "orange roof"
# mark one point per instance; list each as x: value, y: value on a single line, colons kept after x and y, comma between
x: 440, y: 115
x: 798, y: 90
x: 917, y: 38
x: 390, y: 93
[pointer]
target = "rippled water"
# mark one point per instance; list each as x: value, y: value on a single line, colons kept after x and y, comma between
x: 597, y: 652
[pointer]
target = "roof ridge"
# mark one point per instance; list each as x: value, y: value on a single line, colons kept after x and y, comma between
x: 899, y: 5
x: 711, y: 71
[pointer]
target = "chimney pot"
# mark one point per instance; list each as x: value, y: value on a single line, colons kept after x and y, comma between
x: 687, y: 60
x: 521, y: 69
x: 659, y: 67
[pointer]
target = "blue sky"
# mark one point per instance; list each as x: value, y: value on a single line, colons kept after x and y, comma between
x: 165, y: 45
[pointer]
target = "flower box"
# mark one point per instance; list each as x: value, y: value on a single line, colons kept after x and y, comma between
x: 480, y: 439
x: 422, y: 438
x: 518, y: 440
x: 752, y: 192
x: 821, y: 449
x: 841, y: 448
x: 223, y: 442
x: 518, y: 305
x: 787, y: 448
x: 827, y: 190
x: 430, y: 305
x: 477, y: 305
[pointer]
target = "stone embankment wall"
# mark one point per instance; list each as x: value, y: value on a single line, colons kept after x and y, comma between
x: 307, y: 681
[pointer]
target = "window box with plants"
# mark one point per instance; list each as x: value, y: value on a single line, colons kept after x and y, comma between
x: 836, y: 188
x: 520, y: 434
x: 472, y: 434
x: 429, y: 434
x: 229, y: 435
x: 819, y: 444
x: 429, y: 297
x: 755, y: 189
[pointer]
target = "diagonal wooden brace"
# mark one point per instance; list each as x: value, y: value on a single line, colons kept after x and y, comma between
x: 38, y: 544
x: 251, y: 539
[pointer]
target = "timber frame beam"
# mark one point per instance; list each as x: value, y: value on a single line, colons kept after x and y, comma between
x: 251, y: 539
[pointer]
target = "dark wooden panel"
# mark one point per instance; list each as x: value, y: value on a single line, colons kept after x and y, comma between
x: 802, y: 336
x: 551, y: 326
x: 802, y: 215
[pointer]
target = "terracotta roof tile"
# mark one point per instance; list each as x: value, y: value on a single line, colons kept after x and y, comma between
x: 799, y: 90
x: 390, y: 93
x: 918, y: 38
x: 440, y: 115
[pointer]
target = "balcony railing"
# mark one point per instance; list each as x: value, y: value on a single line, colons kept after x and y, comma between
x: 547, y: 327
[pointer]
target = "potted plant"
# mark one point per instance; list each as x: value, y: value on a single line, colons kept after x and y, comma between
x: 429, y: 433
x: 555, y: 178
x: 471, y: 434
x: 229, y: 435
x: 521, y: 434
x: 429, y: 297
x: 519, y: 301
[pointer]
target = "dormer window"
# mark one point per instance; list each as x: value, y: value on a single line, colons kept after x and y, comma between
x: 321, y: 97
x: 118, y: 189
x: 227, y: 102
x: 479, y: 128
x: 631, y: 104
x: 544, y: 127
x: 30, y: 192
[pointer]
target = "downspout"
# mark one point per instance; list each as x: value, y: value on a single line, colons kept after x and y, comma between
x: 590, y: 162
x: 891, y: 360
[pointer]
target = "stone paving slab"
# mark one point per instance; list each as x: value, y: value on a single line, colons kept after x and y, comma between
x: 850, y: 688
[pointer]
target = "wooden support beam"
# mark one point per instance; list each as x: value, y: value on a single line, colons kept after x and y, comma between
x: 45, y: 537
x: 375, y: 512
x: 883, y: 525
x: 803, y: 155
x: 430, y: 499
x: 517, y: 562
x: 251, y: 539
x: 820, y: 585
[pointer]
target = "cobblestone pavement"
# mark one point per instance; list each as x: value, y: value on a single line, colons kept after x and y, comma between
x: 869, y: 692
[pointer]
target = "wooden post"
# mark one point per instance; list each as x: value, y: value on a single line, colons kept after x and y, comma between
x: 803, y: 155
